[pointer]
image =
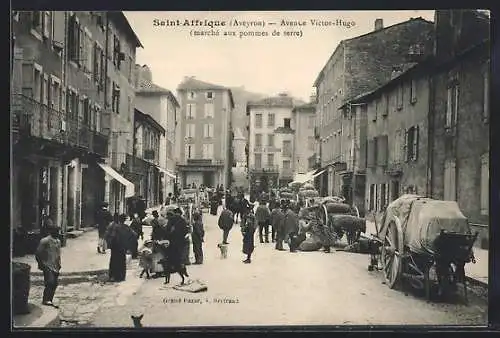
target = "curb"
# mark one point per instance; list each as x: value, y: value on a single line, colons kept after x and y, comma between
x: 50, y: 318
x: 476, y: 282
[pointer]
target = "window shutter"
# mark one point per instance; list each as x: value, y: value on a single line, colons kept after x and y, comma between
x: 448, y: 107
x: 455, y: 110
x: 58, y: 28
x: 415, y: 142
x: 405, y: 147
x: 47, y: 24
x: 96, y: 63
x: 28, y: 79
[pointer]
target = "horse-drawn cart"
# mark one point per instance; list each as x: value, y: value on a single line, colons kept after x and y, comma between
x: 425, y: 243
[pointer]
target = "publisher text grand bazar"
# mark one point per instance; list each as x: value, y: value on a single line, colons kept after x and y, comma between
x: 248, y: 24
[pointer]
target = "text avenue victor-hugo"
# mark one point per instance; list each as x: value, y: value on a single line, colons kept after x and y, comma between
x: 201, y: 300
x: 246, y: 24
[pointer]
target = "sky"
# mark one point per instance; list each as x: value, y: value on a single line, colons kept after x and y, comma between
x: 267, y: 65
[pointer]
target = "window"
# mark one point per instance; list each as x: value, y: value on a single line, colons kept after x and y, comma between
x: 486, y: 94
x: 383, y: 147
x: 485, y: 184
x: 37, y: 21
x: 97, y: 118
x: 375, y: 111
x: 258, y: 120
x: 258, y: 161
x: 208, y: 151
x: 413, y: 91
x: 270, y: 120
x: 450, y: 193
x: 191, y: 95
x: 190, y: 110
x: 74, y: 39
x: 45, y: 90
x: 258, y: 140
x: 399, y: 99
x: 209, y: 95
x: 383, y: 196
x: 190, y: 130
x: 209, y: 110
x: 287, y: 148
x: 310, y: 143
x: 86, y: 113
x: 55, y: 95
x: 398, y: 145
x: 286, y: 123
x: 372, y: 197
x: 98, y: 63
x: 270, y: 160
x: 411, y: 143
x: 287, y: 164
x: 115, y: 98
x: 189, y: 151
x: 208, y: 130
x: 72, y: 103
x: 270, y: 140
x: 46, y: 23
x: 385, y: 112
x: 117, y: 53
x: 87, y: 52
x: 310, y: 122
x: 452, y: 106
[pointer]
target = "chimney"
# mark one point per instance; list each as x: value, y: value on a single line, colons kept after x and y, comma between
x: 379, y: 24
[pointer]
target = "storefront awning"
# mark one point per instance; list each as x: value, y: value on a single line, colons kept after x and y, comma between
x: 129, y: 186
x: 303, y: 178
x: 168, y: 173
x: 319, y: 173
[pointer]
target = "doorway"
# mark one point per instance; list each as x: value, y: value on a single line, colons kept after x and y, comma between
x: 208, y: 179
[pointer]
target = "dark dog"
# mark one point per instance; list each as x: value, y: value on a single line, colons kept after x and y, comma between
x: 168, y: 269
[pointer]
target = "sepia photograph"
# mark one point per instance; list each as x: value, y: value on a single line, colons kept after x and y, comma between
x: 249, y: 169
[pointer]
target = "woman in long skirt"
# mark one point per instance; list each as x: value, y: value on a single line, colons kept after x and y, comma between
x: 248, y: 231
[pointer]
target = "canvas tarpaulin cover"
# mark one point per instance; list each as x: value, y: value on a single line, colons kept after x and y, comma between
x: 426, y: 220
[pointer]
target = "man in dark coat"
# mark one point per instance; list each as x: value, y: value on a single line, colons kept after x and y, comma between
x: 245, y: 208
x: 103, y: 219
x: 277, y: 222
x: 248, y: 231
x: 262, y: 215
x: 140, y: 207
x: 177, y: 234
x: 226, y: 221
x: 158, y: 224
x: 198, y: 237
x: 291, y: 223
x: 117, y: 236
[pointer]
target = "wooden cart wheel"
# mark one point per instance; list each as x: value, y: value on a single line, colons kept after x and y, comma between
x: 392, y: 254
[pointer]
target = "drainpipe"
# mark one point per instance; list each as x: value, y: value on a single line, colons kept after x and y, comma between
x: 430, y: 137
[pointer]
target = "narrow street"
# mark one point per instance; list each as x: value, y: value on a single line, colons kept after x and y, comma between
x: 278, y: 288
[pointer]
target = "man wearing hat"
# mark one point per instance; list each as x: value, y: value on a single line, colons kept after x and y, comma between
x: 48, y: 257
x: 103, y: 219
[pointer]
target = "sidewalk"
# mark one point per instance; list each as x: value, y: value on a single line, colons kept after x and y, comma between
x: 478, y: 271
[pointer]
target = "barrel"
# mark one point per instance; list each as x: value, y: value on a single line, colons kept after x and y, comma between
x: 21, y: 287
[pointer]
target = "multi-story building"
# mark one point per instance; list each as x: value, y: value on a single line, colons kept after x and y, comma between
x: 304, y: 117
x: 359, y: 65
x: 460, y: 114
x: 163, y: 106
x: 62, y: 114
x: 145, y: 159
x: 119, y: 63
x: 58, y: 137
x: 205, y: 133
x: 395, y: 140
x: 271, y: 141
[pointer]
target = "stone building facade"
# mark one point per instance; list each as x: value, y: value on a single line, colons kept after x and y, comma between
x: 357, y: 66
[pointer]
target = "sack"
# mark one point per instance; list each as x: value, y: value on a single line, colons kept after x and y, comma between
x: 338, y: 208
x: 313, y: 243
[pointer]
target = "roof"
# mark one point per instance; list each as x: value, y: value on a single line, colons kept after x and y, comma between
x: 120, y: 18
x: 342, y: 42
x: 191, y: 83
x: 274, y: 101
x: 427, y: 65
x: 139, y: 115
x: 149, y: 88
x: 306, y: 106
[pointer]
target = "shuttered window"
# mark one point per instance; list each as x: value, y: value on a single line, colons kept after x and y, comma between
x: 382, y: 149
x: 485, y: 184
x: 58, y: 29
x: 370, y: 153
